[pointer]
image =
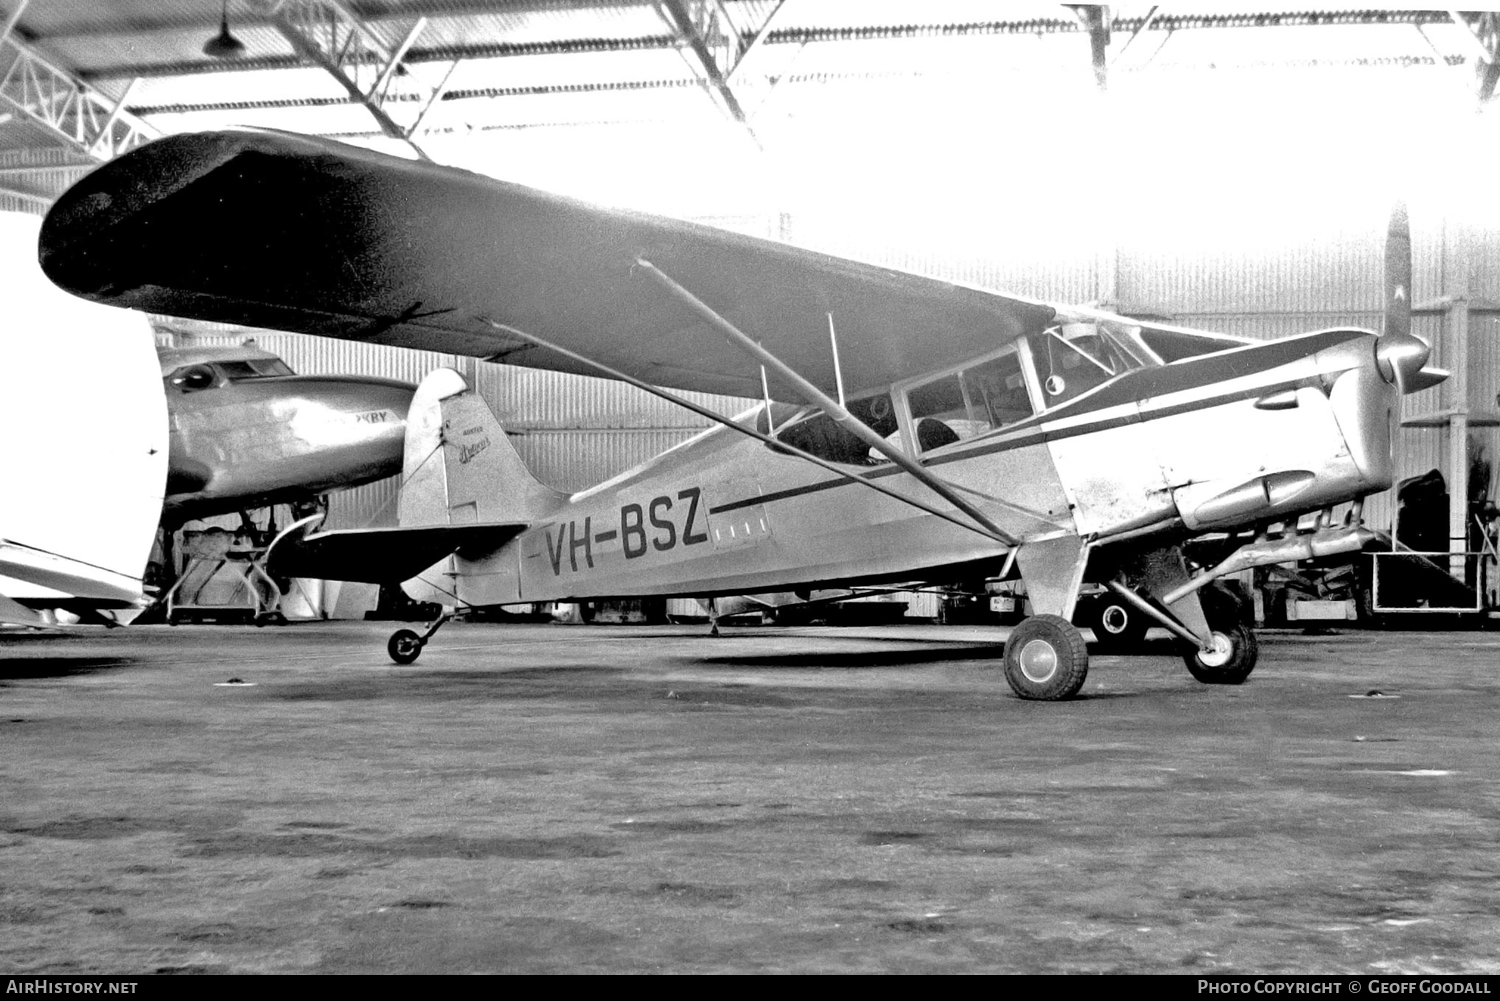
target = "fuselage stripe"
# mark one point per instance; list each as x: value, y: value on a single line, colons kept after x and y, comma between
x: 1032, y: 437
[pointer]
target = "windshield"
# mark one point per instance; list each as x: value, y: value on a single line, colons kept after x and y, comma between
x: 1072, y: 358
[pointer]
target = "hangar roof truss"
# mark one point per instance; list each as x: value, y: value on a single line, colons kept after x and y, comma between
x: 98, y: 76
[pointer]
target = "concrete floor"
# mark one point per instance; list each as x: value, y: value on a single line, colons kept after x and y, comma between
x: 634, y: 799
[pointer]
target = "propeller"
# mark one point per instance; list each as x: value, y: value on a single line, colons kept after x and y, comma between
x: 1399, y: 353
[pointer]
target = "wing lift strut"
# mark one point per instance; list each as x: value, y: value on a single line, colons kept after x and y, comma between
x: 745, y: 429
x: 837, y: 410
x: 975, y: 520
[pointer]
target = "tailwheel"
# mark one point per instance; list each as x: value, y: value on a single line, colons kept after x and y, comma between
x: 1045, y: 659
x: 1235, y: 650
x: 404, y: 646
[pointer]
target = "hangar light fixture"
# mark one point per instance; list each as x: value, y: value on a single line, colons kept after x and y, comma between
x: 224, y: 45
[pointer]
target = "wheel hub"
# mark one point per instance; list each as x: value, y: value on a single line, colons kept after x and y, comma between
x: 1114, y: 620
x: 1219, y: 655
x: 1038, y: 660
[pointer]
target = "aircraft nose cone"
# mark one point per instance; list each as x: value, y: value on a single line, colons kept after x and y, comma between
x: 1401, y: 357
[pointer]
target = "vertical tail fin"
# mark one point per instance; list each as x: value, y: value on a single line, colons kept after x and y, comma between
x: 460, y: 467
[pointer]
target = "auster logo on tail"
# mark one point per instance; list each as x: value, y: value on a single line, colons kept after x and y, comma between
x: 468, y: 452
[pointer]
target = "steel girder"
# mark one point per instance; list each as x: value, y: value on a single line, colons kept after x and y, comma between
x: 718, y: 47
x: 51, y: 97
x: 330, y: 35
x: 1486, y: 33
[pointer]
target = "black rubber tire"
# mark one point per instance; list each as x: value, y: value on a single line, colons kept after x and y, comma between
x: 1233, y: 596
x: 1226, y: 619
x: 1116, y: 625
x: 404, y: 646
x: 1046, y: 659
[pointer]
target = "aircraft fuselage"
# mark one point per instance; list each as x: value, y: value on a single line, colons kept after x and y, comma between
x: 246, y: 444
x: 1226, y: 441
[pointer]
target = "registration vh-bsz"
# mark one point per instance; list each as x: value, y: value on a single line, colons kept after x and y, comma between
x: 910, y: 429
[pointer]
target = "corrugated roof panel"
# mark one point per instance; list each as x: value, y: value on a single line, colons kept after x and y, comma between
x: 51, y: 17
x: 559, y: 23
x: 684, y: 104
x: 330, y: 120
x: 863, y: 13
x: 236, y: 87
x: 573, y: 70
x: 1226, y: 48
x: 117, y: 52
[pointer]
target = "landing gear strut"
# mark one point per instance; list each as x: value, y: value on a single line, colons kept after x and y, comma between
x: 405, y: 645
x: 1225, y: 653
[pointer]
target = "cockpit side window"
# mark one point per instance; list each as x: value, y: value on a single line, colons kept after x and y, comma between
x: 826, y: 438
x: 254, y: 368
x: 271, y: 366
x: 984, y: 396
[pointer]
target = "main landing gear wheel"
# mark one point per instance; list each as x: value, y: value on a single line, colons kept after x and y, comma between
x: 404, y: 646
x: 1235, y: 649
x: 1045, y: 659
x: 1116, y: 625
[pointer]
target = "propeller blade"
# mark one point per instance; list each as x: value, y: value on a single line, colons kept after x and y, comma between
x: 1398, y: 272
x: 1400, y: 353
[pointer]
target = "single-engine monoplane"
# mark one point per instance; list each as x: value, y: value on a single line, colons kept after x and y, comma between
x: 909, y: 428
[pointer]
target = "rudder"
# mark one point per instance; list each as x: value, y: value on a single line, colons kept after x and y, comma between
x: 460, y: 466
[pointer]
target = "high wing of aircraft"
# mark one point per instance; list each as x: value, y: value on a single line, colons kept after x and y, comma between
x: 246, y: 432
x: 911, y: 429
x: 406, y: 253
x: 83, y: 446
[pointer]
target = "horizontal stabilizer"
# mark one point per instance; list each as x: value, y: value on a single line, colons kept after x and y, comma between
x: 68, y: 576
x: 381, y: 555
